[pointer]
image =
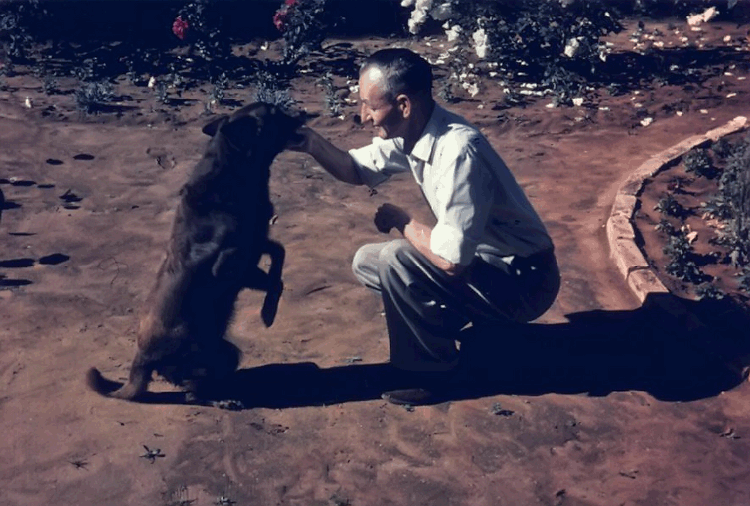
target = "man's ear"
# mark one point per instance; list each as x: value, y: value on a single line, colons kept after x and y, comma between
x: 403, y: 102
x: 213, y: 127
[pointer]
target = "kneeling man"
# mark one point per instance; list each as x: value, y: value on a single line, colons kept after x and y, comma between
x: 489, y: 257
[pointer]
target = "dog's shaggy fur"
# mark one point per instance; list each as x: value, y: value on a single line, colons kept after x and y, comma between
x: 219, y: 234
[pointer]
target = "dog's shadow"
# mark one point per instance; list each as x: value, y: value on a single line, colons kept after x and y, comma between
x: 597, y: 352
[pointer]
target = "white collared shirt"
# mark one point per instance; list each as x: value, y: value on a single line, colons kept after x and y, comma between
x: 479, y: 206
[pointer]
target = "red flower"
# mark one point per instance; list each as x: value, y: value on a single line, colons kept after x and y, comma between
x: 180, y: 27
x: 279, y: 19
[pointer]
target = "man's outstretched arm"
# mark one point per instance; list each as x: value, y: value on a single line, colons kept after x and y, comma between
x: 335, y: 161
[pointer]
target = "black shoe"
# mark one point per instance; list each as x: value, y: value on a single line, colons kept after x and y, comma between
x: 410, y: 397
x: 417, y: 388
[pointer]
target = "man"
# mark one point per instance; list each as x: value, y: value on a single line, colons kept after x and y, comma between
x: 488, y: 258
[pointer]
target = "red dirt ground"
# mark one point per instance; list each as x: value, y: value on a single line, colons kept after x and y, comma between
x: 600, y: 402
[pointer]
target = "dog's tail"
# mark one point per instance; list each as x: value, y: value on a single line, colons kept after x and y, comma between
x: 140, y: 375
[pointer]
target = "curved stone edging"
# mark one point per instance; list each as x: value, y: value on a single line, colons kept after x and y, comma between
x: 626, y: 254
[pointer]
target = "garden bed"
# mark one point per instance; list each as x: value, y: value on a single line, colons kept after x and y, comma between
x: 686, y: 229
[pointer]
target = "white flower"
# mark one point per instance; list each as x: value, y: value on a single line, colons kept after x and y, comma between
x: 418, y: 15
x: 578, y: 102
x: 480, y: 42
x: 706, y: 16
x: 442, y: 11
x: 473, y: 89
x: 453, y: 32
x: 480, y: 37
x: 647, y: 121
x: 572, y: 47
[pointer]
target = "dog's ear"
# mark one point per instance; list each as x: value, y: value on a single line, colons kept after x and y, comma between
x: 213, y: 127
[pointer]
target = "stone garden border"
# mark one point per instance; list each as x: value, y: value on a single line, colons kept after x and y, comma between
x: 626, y: 254
x: 629, y: 258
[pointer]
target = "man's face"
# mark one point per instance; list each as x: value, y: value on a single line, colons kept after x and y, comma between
x: 384, y: 114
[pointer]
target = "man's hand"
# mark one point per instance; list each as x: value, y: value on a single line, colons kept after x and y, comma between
x: 389, y: 216
x: 300, y: 141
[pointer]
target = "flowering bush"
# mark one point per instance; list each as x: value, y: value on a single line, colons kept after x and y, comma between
x: 17, y: 20
x: 303, y: 25
x: 553, y: 44
x: 198, y: 24
x: 280, y: 18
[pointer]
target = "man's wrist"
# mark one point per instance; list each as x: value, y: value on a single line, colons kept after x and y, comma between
x: 402, y: 223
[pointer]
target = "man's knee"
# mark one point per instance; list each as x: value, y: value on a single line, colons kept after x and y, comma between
x: 366, y: 264
x: 393, y: 261
x: 391, y: 252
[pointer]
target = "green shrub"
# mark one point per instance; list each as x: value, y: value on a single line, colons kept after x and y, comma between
x: 734, y: 202
x: 90, y: 97
x: 722, y: 148
x: 708, y: 291
x: 698, y: 162
x: 332, y: 100
x: 17, y: 26
x: 670, y: 206
x: 269, y: 88
x: 682, y: 259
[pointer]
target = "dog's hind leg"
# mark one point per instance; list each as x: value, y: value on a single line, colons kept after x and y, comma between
x: 273, y: 283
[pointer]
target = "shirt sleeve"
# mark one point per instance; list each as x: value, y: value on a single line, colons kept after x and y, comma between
x: 464, y: 196
x: 379, y: 161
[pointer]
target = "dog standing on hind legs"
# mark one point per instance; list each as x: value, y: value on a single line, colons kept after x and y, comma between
x: 219, y: 234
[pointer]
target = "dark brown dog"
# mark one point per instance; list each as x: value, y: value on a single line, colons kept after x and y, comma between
x: 219, y: 234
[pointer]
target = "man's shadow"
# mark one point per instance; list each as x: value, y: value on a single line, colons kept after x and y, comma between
x: 660, y: 348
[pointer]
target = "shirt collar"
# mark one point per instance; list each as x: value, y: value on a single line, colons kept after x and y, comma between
x: 425, y: 146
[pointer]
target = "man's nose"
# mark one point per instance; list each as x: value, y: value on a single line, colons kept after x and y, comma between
x: 364, y: 113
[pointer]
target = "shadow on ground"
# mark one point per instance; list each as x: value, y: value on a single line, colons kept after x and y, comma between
x: 660, y: 348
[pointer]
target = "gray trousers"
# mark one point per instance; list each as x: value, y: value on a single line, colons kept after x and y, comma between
x: 425, y: 308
